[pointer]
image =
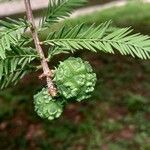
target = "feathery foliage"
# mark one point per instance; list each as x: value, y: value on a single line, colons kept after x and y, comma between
x: 15, y: 65
x: 10, y: 33
x: 59, y: 9
x: 98, y: 39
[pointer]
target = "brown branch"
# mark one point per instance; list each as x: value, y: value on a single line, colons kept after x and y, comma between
x: 46, y: 71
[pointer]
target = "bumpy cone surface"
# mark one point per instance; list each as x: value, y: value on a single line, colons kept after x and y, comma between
x: 46, y: 106
x: 75, y: 79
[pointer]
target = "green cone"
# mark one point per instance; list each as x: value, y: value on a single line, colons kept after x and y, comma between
x: 46, y: 106
x: 75, y: 79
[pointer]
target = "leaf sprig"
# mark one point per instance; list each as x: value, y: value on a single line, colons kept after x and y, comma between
x: 16, y: 65
x: 98, y: 39
x: 60, y: 9
x: 10, y: 33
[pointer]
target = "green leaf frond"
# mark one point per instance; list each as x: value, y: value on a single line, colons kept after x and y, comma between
x: 16, y: 65
x: 98, y: 39
x: 73, y: 33
x: 59, y: 9
x: 10, y: 32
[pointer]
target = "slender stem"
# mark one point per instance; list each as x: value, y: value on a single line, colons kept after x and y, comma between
x: 46, y: 71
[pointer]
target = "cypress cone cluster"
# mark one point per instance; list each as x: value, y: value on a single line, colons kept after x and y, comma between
x: 74, y: 79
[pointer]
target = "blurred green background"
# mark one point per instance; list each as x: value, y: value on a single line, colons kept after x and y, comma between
x: 117, y: 117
